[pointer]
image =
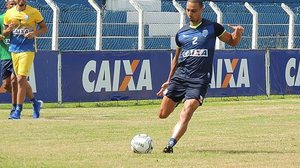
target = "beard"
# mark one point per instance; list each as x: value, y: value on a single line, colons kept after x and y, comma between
x: 195, y: 19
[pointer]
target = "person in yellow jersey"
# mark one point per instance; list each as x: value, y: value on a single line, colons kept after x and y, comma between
x: 21, y: 24
x: 7, y: 73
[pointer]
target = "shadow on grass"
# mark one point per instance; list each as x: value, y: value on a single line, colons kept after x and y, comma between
x: 241, y: 151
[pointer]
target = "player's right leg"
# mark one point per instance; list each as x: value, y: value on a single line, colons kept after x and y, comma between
x: 167, y: 107
x: 172, y: 97
x: 7, y: 81
x: 6, y: 71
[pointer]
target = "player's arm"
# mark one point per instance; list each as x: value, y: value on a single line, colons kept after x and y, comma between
x: 42, y: 30
x: 172, y: 71
x: 234, y: 38
x: 8, y: 29
x: 9, y: 26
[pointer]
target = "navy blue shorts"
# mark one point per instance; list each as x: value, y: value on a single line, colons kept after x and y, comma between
x: 6, y: 69
x: 179, y: 90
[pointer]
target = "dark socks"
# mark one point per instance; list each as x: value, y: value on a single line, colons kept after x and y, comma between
x: 33, y: 100
x: 14, y: 106
x: 172, y: 142
x: 19, y: 107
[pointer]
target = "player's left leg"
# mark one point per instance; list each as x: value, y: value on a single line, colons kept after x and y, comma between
x: 180, y: 128
x: 22, y: 64
x: 185, y: 116
x: 14, y: 91
x: 194, y: 97
x: 21, y: 92
x: 36, y: 104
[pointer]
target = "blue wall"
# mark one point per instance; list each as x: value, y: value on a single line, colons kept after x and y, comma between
x: 124, y: 75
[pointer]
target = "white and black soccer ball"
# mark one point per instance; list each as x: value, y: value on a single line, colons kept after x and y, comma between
x: 141, y: 143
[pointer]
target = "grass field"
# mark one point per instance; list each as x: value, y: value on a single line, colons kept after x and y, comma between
x: 245, y: 133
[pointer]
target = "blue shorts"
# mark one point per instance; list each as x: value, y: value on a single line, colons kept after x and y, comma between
x: 6, y: 69
x: 179, y: 90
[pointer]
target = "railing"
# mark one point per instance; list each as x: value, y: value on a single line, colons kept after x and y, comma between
x: 144, y: 24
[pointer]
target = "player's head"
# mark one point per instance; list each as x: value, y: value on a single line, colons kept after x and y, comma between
x: 10, y: 4
x: 194, y: 9
x: 21, y: 2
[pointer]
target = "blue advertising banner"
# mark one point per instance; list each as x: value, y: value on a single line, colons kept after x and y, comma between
x: 285, y: 71
x: 96, y: 76
x: 43, y: 78
x: 238, y: 73
x: 45, y: 64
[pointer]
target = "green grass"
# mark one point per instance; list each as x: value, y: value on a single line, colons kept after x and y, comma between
x: 228, y: 132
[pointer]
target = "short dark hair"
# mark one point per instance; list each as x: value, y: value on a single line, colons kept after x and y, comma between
x: 196, y: 1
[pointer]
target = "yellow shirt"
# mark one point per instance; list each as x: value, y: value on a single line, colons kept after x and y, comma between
x: 25, y: 21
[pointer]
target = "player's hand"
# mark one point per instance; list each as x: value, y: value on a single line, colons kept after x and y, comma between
x: 11, y: 27
x: 2, y: 37
x: 162, y: 89
x: 237, y: 29
x: 30, y: 35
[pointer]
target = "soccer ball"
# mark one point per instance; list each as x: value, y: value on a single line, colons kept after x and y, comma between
x: 141, y: 143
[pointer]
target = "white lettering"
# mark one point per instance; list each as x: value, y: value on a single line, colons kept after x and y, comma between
x: 297, y: 81
x: 116, y: 75
x: 31, y: 79
x: 291, y: 64
x: 229, y: 70
x: 195, y: 53
x: 87, y: 84
x: 243, y: 78
x: 103, y: 80
x: 21, y: 31
x: 145, y: 76
x: 219, y: 73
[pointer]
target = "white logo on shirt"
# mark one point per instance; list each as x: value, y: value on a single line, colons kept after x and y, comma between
x: 184, y: 36
x: 195, y: 53
x: 205, y: 33
x: 21, y: 31
x: 26, y: 17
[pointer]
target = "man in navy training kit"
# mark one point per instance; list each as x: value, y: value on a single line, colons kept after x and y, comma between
x: 191, y: 69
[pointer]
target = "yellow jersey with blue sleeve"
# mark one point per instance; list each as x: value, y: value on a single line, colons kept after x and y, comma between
x: 25, y: 22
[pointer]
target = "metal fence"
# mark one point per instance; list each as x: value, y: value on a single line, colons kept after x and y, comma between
x: 152, y: 24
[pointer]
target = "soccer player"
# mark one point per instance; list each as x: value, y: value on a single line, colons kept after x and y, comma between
x: 191, y: 69
x: 21, y: 25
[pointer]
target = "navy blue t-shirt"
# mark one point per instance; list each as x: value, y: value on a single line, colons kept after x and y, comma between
x: 197, y: 51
